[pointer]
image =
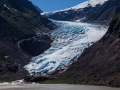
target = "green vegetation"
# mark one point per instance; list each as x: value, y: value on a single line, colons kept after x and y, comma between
x: 21, y: 19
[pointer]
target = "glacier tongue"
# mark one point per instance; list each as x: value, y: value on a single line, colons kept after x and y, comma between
x: 70, y: 39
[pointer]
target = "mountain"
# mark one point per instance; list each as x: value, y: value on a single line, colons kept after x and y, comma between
x: 100, y: 63
x: 77, y: 12
x: 21, y: 29
x: 105, y: 13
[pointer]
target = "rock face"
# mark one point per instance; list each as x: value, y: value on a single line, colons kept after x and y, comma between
x: 99, y: 64
x: 20, y: 21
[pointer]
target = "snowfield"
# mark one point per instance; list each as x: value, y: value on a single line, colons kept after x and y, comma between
x: 70, y: 39
x: 85, y: 4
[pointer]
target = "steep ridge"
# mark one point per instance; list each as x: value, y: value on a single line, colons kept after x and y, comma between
x: 79, y: 11
x: 99, y: 64
x: 105, y: 13
x: 20, y: 22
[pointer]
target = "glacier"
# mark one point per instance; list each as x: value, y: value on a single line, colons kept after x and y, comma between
x: 69, y: 41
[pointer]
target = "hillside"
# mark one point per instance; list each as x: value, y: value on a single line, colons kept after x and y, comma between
x: 20, y: 23
x: 22, y: 11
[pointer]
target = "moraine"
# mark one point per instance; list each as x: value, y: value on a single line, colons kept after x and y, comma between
x: 70, y: 39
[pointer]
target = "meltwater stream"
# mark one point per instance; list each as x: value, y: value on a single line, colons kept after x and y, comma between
x: 70, y: 39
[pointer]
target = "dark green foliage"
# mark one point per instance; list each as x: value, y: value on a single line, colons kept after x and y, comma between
x: 21, y: 19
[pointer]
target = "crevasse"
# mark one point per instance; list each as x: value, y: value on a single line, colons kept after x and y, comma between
x: 70, y: 39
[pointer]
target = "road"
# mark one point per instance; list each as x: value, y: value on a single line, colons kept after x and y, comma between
x: 55, y: 87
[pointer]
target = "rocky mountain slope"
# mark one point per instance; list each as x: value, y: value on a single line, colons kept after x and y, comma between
x: 105, y: 13
x: 20, y: 23
x: 79, y: 11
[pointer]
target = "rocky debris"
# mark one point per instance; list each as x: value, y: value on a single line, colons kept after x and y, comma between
x: 38, y: 78
x: 58, y: 71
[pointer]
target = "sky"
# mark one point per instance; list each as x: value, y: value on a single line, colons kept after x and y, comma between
x: 52, y: 5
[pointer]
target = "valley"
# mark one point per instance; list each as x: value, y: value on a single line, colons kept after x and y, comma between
x: 79, y: 45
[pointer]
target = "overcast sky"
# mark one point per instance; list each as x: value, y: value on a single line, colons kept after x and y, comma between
x: 52, y: 5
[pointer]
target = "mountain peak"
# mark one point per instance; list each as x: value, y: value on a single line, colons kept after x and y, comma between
x: 88, y: 3
x: 77, y: 12
x: 85, y: 4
